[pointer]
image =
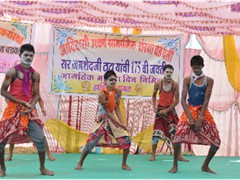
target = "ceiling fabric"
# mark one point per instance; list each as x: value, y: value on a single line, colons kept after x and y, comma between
x: 191, y: 17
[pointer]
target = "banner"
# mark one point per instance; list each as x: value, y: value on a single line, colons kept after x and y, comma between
x: 81, y: 58
x: 12, y: 36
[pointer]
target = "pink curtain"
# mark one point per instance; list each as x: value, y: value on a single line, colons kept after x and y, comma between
x: 223, y: 95
x: 186, y: 39
x: 213, y: 45
x: 42, y: 64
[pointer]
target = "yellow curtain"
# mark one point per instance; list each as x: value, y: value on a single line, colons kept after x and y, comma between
x: 144, y: 139
x: 122, y: 109
x: 69, y: 138
x: 232, y: 62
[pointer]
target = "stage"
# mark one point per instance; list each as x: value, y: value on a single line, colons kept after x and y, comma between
x: 102, y: 166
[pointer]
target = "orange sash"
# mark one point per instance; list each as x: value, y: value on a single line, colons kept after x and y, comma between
x: 11, y: 110
x: 111, y: 98
x: 24, y: 119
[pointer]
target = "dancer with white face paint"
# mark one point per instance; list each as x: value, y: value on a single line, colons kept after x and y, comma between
x: 20, y: 120
x: 110, y: 130
x: 166, y: 117
x: 26, y: 61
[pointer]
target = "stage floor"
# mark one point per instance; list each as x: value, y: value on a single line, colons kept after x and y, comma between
x: 102, y: 166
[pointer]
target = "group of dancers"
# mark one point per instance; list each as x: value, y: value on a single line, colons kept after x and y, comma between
x: 20, y: 121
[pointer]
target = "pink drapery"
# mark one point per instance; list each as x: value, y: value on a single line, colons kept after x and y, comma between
x: 223, y: 95
x: 41, y: 63
x: 213, y: 45
x: 186, y: 39
x: 192, y: 17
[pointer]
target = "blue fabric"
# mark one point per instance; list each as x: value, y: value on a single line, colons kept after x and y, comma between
x: 196, y: 94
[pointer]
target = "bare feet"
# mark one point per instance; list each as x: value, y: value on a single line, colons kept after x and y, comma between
x: 79, y: 166
x: 9, y: 158
x: 152, y: 158
x: 207, y: 169
x: 180, y: 158
x: 174, y: 169
x: 2, y: 172
x: 126, y: 167
x: 51, y: 158
x: 45, y: 171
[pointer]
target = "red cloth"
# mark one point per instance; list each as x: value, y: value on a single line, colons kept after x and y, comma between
x: 207, y: 135
x: 26, y: 81
x: 16, y: 90
x: 166, y: 98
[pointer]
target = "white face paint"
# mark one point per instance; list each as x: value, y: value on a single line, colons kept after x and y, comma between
x: 27, y: 58
x: 168, y: 73
x: 111, y: 81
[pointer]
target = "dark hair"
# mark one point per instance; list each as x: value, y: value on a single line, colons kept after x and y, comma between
x: 109, y: 73
x: 197, y: 61
x: 168, y: 66
x: 27, y: 47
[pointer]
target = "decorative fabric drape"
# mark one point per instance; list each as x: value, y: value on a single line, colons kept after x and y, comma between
x: 232, y: 62
x: 212, y: 45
